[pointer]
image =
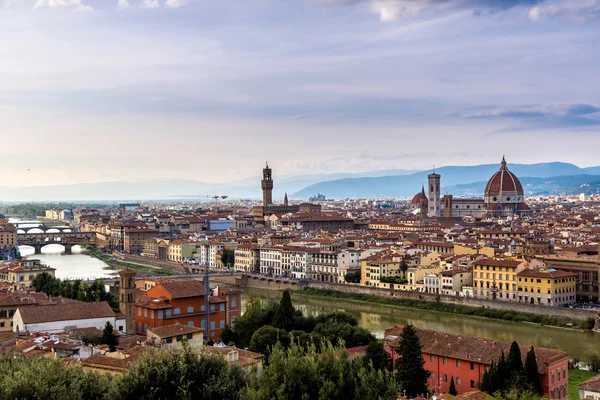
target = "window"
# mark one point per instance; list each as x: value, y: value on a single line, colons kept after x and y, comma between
x: 472, y: 368
x: 169, y: 340
x: 168, y: 313
x: 458, y: 363
x: 431, y: 358
x: 145, y: 312
x: 191, y: 323
x: 203, y: 308
x: 179, y: 338
x: 160, y: 314
x: 222, y: 307
x: 458, y: 380
x: 189, y: 336
x: 212, y: 308
x: 176, y: 311
x: 190, y: 309
x: 212, y: 324
x: 444, y: 361
x: 472, y: 384
x: 203, y: 324
x: 234, y: 302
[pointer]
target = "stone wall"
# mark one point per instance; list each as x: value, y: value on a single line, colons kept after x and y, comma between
x: 561, y: 312
x: 168, y: 265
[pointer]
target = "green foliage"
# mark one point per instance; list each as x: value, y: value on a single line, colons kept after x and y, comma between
x: 334, y: 330
x: 88, y: 292
x: 352, y: 277
x: 228, y: 257
x: 257, y: 315
x: 297, y: 373
x: 180, y: 374
x: 403, y: 265
x: 452, y: 390
x: 285, y: 314
x: 265, y: 338
x: 447, y: 308
x: 594, y: 363
x: 531, y: 372
x: 45, y: 378
x: 109, y: 338
x: 411, y: 375
x: 514, y: 366
x: 228, y: 335
x: 395, y: 280
x: 376, y: 354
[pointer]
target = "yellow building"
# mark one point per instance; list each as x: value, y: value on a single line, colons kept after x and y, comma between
x: 23, y: 272
x: 175, y: 250
x: 546, y: 286
x: 247, y: 258
x: 8, y: 236
x: 496, y: 279
x: 460, y: 250
x: 373, y: 269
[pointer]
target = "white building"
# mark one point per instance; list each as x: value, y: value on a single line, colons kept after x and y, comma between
x: 432, y: 283
x: 68, y: 316
x: 590, y: 389
x: 454, y: 280
x: 347, y: 260
x: 270, y: 261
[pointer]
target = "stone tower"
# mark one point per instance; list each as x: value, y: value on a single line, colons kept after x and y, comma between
x: 267, y: 186
x: 435, y: 209
x: 127, y: 299
x: 285, y: 200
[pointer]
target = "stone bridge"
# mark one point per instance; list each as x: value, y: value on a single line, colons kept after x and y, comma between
x: 66, y: 239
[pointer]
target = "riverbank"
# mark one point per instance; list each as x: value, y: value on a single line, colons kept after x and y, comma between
x: 108, y: 259
x: 450, y: 308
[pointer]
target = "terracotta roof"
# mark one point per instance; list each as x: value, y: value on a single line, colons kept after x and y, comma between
x: 182, y: 289
x: 490, y: 262
x: 537, y: 273
x: 592, y: 384
x: 173, y: 330
x: 65, y: 312
x: 503, y: 181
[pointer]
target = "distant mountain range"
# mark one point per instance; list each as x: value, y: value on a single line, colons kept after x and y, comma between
x: 540, y: 178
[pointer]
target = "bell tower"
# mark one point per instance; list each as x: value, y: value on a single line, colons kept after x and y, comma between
x: 127, y: 299
x: 435, y: 206
x: 267, y: 186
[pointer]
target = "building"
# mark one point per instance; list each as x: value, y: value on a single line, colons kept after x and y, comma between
x: 173, y: 335
x: 590, y: 389
x: 496, y: 279
x: 503, y: 197
x: 270, y: 261
x: 547, y: 287
x: 466, y: 358
x: 247, y: 360
x: 66, y: 316
x: 268, y: 208
x: 585, y: 269
x: 10, y: 302
x: 23, y: 272
x: 316, y: 223
x: 134, y: 239
x: 247, y: 258
x: 8, y: 236
x: 127, y: 298
x: 184, y: 303
x: 454, y: 280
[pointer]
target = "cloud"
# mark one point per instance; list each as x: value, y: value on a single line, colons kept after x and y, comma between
x: 176, y: 3
x: 150, y: 4
x: 532, y: 116
x: 390, y: 10
x: 579, y: 10
x: 123, y: 4
x: 76, y: 5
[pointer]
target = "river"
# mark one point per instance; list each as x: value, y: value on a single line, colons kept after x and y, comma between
x: 373, y: 317
x: 376, y: 318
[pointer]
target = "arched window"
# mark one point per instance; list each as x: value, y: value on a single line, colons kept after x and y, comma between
x: 176, y: 311
x: 234, y: 302
x: 191, y: 323
x: 190, y: 309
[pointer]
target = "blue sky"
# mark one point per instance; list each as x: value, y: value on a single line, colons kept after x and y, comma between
x: 105, y: 90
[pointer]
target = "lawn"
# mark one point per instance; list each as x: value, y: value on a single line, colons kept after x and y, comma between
x: 576, y: 376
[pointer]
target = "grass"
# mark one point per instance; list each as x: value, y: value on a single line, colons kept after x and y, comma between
x: 452, y: 308
x: 576, y: 376
x: 107, y: 258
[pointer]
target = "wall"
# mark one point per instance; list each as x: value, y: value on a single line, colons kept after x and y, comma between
x: 169, y: 265
x: 265, y: 283
x: 561, y: 312
x: 59, y: 326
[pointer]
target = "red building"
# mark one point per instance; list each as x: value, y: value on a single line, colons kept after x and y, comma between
x: 466, y: 358
x: 183, y: 302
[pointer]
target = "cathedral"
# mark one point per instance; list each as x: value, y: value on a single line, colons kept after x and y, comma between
x: 268, y: 208
x: 503, y: 197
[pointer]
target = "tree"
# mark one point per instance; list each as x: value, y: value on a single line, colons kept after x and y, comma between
x: 531, y: 372
x: 228, y: 336
x: 411, y: 375
x: 334, y: 330
x: 376, y: 354
x: 486, y: 385
x: 265, y: 338
x: 228, y: 257
x: 285, y: 313
x: 352, y: 277
x: 452, y: 389
x: 514, y: 367
x: 297, y: 373
x: 256, y: 316
x: 109, y: 338
x: 180, y: 374
x: 403, y: 265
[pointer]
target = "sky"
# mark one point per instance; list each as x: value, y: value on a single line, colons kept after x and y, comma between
x: 135, y: 90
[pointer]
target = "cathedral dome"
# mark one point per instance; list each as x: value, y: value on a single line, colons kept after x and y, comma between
x: 504, y: 187
x: 416, y: 200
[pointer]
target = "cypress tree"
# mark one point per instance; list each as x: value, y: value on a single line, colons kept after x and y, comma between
x: 514, y: 367
x: 411, y: 376
x: 501, y: 375
x: 285, y: 313
x: 531, y: 372
x: 452, y: 389
x: 486, y: 385
x: 109, y: 338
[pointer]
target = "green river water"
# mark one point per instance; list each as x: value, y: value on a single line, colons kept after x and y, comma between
x: 376, y: 318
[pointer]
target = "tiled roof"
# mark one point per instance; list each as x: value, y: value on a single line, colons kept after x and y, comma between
x: 592, y: 384
x: 182, y: 289
x: 173, y: 330
x: 65, y: 312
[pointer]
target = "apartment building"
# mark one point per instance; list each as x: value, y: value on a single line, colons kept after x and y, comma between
x: 496, y: 279
x: 546, y: 287
x: 247, y: 258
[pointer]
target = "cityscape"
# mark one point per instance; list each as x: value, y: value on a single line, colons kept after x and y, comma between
x: 303, y: 199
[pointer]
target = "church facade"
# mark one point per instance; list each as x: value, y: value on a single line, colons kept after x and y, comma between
x: 503, y: 197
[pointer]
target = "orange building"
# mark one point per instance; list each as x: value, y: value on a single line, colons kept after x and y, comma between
x: 183, y: 302
x: 466, y: 358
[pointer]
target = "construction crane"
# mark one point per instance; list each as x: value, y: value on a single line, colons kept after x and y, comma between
x: 216, y: 198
